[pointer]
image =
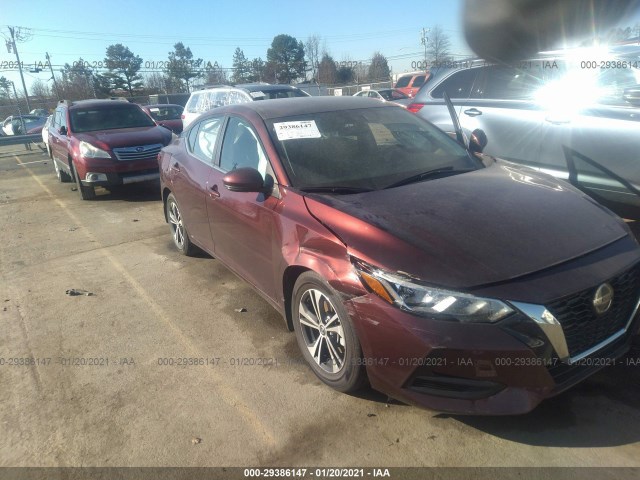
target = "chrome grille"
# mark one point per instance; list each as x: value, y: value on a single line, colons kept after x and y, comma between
x: 138, y: 153
x: 583, y: 327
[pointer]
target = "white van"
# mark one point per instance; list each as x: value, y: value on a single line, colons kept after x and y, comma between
x: 205, y: 100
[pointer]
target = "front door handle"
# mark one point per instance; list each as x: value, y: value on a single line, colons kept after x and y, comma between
x: 213, y: 191
x: 175, y: 166
x: 473, y: 112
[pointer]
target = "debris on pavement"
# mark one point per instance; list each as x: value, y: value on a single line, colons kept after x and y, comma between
x: 241, y: 310
x: 196, y: 440
x: 74, y: 292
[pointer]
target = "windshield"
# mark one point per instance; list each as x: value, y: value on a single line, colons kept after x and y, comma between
x: 201, y: 102
x: 165, y: 113
x: 370, y: 148
x: 108, y: 117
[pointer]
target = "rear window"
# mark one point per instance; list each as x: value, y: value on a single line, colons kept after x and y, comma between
x: 403, y: 81
x: 419, y: 80
x: 108, y: 118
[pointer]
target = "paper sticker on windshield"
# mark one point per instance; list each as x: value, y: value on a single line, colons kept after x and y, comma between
x: 154, y: 109
x: 296, y: 130
x: 257, y: 94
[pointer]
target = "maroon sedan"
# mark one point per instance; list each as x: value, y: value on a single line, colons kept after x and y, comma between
x: 446, y: 279
x: 166, y: 115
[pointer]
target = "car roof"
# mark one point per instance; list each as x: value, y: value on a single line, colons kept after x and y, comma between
x: 286, y: 107
x: 265, y: 87
x: 157, y: 105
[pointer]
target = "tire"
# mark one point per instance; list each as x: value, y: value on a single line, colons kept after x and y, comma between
x: 63, y: 177
x: 178, y: 228
x: 86, y: 193
x: 335, y: 355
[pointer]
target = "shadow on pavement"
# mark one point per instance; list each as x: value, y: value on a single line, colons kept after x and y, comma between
x: 135, y: 192
x: 602, y: 411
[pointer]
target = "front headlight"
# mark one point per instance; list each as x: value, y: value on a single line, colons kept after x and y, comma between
x: 423, y: 300
x: 89, y: 151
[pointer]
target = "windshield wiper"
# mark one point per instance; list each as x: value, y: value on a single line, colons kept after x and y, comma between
x: 446, y: 171
x: 336, y: 189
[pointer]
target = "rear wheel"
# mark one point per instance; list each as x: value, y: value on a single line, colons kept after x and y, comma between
x: 86, y: 193
x: 178, y: 229
x: 325, y: 334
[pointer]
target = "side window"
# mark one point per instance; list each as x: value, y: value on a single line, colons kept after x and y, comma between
x: 457, y: 85
x: 193, y: 133
x: 506, y: 83
x: 241, y: 148
x: 204, y: 143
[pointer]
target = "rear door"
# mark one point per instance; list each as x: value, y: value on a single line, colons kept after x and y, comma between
x: 599, y: 131
x: 190, y: 170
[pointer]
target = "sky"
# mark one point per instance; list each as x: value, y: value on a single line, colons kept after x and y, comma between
x: 350, y: 30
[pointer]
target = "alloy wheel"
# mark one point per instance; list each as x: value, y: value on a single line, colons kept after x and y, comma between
x: 322, y: 331
x: 175, y: 219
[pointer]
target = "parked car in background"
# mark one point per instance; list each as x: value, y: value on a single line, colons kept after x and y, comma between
x: 23, y: 124
x: 266, y: 91
x: 166, y: 115
x: 382, y: 241
x: 574, y: 114
x: 45, y: 132
x: 386, y: 95
x: 204, y: 100
x: 411, y: 83
x: 104, y: 143
x: 41, y: 112
x: 220, y: 95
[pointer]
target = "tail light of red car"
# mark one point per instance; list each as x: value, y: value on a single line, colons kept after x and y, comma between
x: 415, y: 107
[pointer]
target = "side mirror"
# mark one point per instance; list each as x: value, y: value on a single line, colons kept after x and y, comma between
x: 62, y: 130
x: 244, y: 180
x: 478, y: 141
x: 632, y: 95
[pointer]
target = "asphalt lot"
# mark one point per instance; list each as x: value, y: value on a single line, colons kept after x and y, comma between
x: 149, y: 304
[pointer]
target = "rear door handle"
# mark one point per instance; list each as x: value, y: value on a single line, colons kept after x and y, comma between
x: 473, y: 112
x: 213, y: 191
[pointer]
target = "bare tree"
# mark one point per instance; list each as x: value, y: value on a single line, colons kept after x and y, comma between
x: 40, y: 90
x: 155, y: 82
x: 312, y: 51
x: 438, y: 45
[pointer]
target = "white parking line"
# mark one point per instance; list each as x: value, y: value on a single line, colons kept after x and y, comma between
x: 35, y: 161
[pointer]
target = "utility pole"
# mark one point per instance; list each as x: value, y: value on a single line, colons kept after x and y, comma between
x: 423, y: 41
x: 15, y: 49
x: 53, y: 77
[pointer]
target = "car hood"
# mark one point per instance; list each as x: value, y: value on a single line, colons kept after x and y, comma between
x: 127, y: 137
x: 468, y: 230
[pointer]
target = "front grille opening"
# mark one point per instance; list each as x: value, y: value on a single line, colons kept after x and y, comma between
x: 583, y: 327
x: 454, y: 387
x: 139, y: 152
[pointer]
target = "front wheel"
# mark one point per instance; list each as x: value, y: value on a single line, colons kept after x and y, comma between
x: 325, y: 334
x: 178, y: 228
